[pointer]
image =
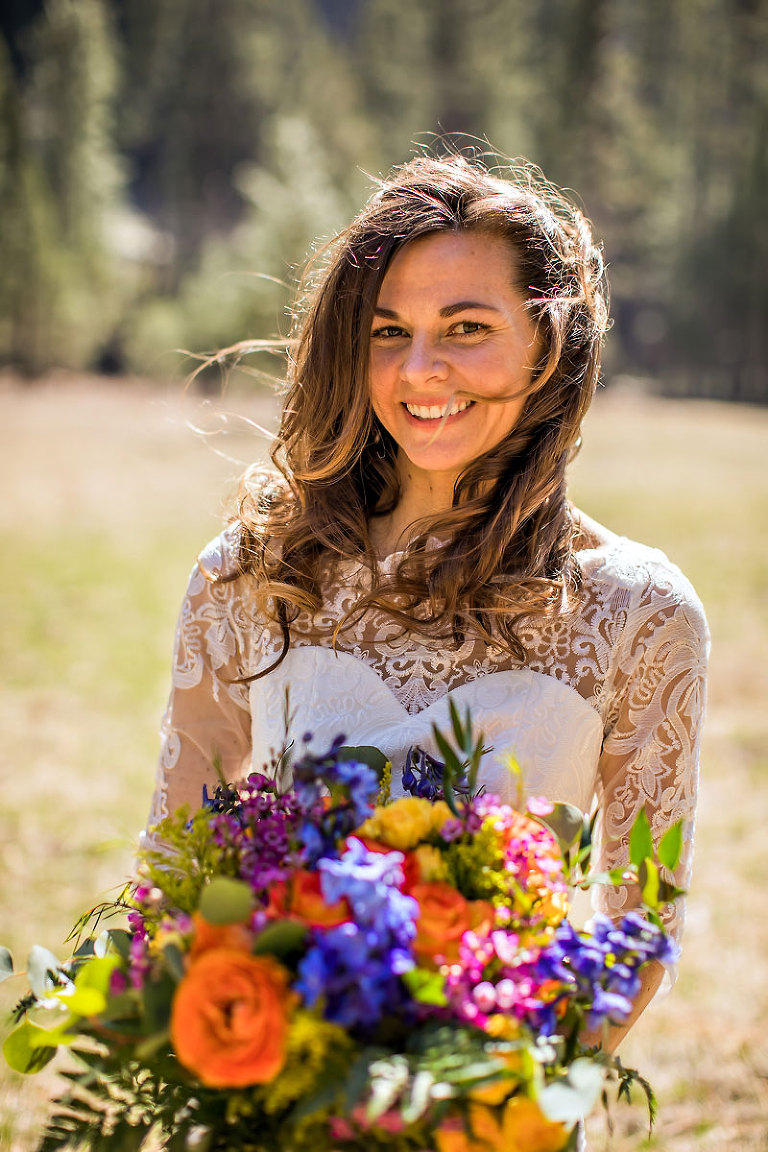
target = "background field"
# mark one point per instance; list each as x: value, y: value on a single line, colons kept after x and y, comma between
x: 107, y: 495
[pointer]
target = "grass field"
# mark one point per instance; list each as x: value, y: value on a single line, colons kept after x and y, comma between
x: 107, y: 495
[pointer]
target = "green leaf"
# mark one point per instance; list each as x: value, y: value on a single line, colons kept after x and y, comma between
x: 97, y: 973
x: 174, y: 961
x: 226, y: 901
x: 648, y: 879
x: 426, y: 987
x: 669, y: 892
x: 149, y: 1047
x: 459, y: 733
x: 567, y: 823
x: 364, y: 754
x: 640, y: 840
x: 671, y: 845
x: 281, y: 938
x: 120, y: 941
x: 24, y: 1051
x: 82, y: 1001
x: 6, y: 964
x: 158, y: 995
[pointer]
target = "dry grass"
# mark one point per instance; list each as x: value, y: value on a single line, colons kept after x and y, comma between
x: 107, y: 497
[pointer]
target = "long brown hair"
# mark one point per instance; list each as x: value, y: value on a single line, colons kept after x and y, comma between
x: 504, y: 550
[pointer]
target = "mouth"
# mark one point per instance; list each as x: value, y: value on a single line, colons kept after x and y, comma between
x: 437, y: 411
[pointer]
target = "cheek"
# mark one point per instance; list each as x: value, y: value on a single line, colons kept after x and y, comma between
x: 380, y: 390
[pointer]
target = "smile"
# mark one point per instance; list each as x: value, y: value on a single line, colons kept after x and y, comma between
x: 436, y: 411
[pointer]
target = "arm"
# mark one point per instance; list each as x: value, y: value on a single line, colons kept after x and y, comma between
x: 650, y: 750
x: 207, y: 720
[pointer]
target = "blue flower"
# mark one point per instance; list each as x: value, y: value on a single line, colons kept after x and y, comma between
x: 354, y: 968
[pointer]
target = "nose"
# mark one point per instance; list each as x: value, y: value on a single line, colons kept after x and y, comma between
x: 422, y: 362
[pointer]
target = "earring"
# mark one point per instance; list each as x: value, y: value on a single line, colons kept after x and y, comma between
x: 378, y: 443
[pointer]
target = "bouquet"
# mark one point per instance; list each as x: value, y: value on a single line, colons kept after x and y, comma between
x: 310, y: 966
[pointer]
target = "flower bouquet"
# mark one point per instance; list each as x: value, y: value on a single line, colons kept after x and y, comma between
x: 311, y: 967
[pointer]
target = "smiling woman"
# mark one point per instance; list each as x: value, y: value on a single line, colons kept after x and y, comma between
x: 453, y: 349
x: 415, y: 544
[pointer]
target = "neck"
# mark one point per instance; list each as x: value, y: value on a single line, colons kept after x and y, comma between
x: 421, y: 494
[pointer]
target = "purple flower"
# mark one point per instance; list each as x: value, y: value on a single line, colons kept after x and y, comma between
x: 354, y: 968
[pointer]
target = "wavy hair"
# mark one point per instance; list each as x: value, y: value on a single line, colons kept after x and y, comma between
x: 504, y: 550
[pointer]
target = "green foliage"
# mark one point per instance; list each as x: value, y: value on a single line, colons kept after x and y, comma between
x: 195, y: 858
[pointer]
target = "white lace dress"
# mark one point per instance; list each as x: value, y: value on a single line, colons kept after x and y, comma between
x: 607, y: 707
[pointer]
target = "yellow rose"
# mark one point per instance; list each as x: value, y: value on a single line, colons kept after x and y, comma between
x: 430, y: 863
x: 440, y: 813
x: 402, y: 824
x: 526, y: 1128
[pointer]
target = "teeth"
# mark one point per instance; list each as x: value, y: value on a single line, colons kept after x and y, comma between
x: 435, y: 412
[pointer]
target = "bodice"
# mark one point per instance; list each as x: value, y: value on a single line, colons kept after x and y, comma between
x: 551, y: 732
x: 605, y: 709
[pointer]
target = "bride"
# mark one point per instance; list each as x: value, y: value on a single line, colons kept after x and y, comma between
x: 415, y: 540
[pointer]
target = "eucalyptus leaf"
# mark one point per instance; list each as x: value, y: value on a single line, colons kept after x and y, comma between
x: 671, y: 845
x: 420, y: 1097
x: 21, y: 1051
x: 86, y: 948
x: 226, y: 901
x: 43, y: 971
x: 6, y: 964
x: 388, y: 1080
x: 567, y: 823
x: 572, y: 1097
x: 120, y: 942
x: 280, y: 938
x: 640, y: 840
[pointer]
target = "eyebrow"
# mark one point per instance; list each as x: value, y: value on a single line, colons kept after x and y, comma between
x: 448, y: 310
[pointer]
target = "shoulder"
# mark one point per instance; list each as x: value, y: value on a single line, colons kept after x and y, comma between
x: 639, y: 581
x: 220, y: 561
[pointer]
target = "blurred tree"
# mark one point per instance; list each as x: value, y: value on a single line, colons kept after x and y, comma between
x: 720, y: 305
x: 292, y: 177
x: 242, y: 127
x: 59, y: 183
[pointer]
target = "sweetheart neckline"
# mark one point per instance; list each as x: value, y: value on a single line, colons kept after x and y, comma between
x: 512, y: 676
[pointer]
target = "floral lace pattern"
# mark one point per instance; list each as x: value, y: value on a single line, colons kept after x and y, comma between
x: 635, y: 651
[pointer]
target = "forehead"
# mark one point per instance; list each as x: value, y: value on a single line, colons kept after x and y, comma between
x: 446, y: 259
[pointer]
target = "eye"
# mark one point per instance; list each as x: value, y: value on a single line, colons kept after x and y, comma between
x: 387, y: 332
x: 469, y: 328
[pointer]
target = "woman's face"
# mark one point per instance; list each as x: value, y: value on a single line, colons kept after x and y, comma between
x: 449, y: 330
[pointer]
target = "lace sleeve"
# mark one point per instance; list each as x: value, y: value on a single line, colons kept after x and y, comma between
x: 653, y: 725
x: 208, y: 716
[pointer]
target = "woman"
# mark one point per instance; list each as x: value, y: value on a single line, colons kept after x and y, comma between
x: 416, y: 539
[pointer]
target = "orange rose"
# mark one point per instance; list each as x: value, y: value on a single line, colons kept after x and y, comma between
x: 487, y: 1135
x: 526, y: 1128
x: 229, y: 1018
x: 208, y: 936
x: 444, y: 917
x: 301, y: 898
